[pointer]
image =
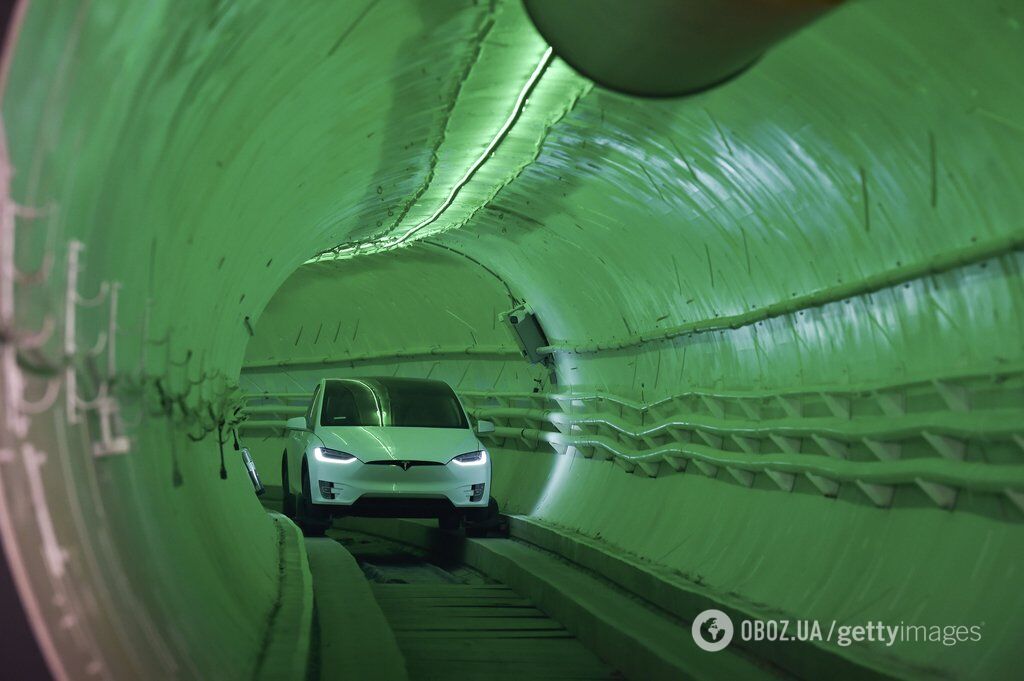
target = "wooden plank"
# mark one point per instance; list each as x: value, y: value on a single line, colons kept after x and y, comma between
x: 411, y: 634
x: 451, y: 611
x: 512, y: 648
x: 442, y: 586
x: 473, y: 623
x: 427, y: 601
x: 512, y: 673
x: 529, y: 667
x: 453, y: 601
x: 435, y: 590
x: 441, y: 589
x: 496, y: 654
x: 455, y: 672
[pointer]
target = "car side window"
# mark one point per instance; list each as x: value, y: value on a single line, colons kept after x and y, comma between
x: 310, y: 419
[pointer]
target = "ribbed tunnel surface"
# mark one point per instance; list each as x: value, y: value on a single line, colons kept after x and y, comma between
x: 783, y: 316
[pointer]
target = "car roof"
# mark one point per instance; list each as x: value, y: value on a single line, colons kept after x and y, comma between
x: 394, y: 381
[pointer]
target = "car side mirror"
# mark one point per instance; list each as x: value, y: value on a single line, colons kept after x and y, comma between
x: 485, y: 426
x: 297, y: 423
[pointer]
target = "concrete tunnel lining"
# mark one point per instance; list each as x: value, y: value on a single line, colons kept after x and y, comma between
x: 201, y: 166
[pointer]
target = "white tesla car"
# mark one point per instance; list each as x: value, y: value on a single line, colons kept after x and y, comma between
x: 397, y: 447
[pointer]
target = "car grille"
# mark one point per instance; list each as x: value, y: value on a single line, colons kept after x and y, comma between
x: 403, y: 463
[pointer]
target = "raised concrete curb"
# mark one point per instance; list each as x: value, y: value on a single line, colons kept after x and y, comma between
x: 285, y: 652
x: 673, y: 593
x: 356, y: 641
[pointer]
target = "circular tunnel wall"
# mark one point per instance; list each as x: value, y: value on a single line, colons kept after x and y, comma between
x: 784, y: 315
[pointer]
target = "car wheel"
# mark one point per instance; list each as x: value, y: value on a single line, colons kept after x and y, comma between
x: 311, y: 520
x: 449, y: 521
x: 287, y: 498
x: 480, y: 521
x: 485, y: 516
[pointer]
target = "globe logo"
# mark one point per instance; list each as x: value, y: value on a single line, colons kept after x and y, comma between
x: 712, y: 630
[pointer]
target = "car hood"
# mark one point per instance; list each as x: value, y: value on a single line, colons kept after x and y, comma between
x: 373, y: 443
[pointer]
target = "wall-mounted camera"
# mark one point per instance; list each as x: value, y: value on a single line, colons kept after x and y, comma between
x: 527, y: 331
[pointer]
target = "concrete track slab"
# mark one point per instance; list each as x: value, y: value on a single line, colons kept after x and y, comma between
x: 355, y: 640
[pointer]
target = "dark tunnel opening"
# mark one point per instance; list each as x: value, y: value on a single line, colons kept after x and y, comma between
x: 753, y: 352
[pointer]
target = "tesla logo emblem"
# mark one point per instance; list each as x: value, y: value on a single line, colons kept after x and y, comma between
x: 405, y: 465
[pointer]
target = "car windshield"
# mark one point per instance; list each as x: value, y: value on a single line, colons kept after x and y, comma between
x: 395, y: 402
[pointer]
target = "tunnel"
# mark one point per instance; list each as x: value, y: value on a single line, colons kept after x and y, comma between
x: 751, y: 342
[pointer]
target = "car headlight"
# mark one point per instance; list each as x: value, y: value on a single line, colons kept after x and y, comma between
x: 332, y: 455
x: 471, y: 459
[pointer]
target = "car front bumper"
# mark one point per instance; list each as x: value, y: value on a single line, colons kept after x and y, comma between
x: 343, y: 484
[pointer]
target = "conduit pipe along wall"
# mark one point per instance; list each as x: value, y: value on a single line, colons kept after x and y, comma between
x: 667, y: 48
x: 820, y: 259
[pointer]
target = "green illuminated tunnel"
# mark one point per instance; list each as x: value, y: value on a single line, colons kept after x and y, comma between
x: 784, y: 316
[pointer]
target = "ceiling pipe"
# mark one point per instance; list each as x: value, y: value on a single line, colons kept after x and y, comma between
x: 667, y: 48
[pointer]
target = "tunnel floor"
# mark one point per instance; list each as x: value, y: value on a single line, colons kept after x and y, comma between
x: 451, y: 621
